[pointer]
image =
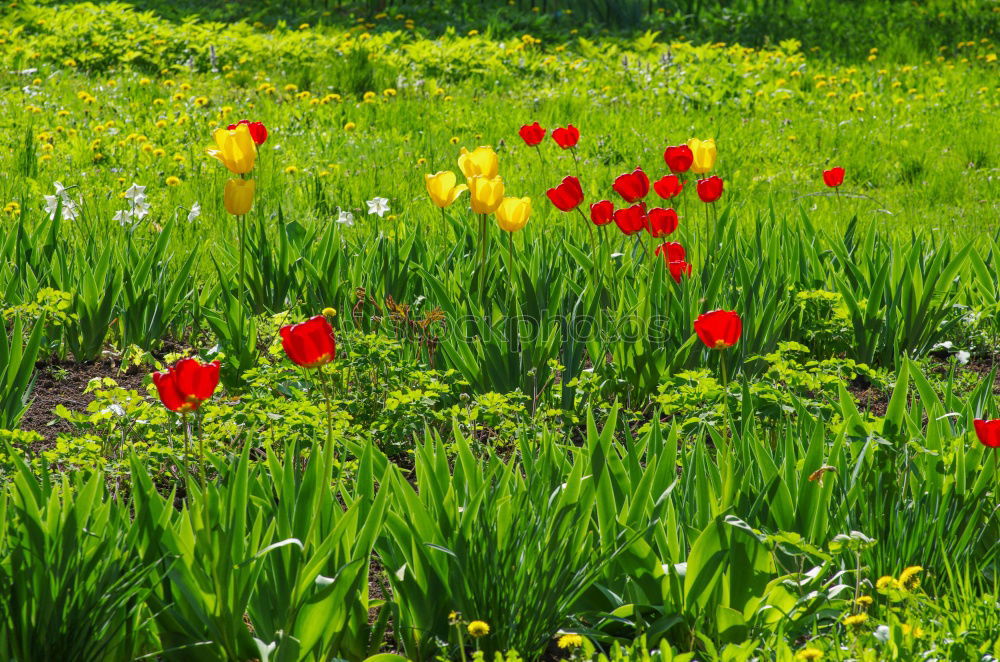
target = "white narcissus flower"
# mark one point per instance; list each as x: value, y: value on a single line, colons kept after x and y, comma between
x: 194, y: 212
x: 378, y: 206
x: 345, y: 217
x: 136, y: 192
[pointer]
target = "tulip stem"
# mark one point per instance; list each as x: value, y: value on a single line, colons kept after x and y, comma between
x: 327, y: 385
x: 510, y: 254
x: 482, y: 255
x: 725, y: 371
x: 201, y: 451
x: 187, y: 444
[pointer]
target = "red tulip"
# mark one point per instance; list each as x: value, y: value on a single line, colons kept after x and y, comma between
x: 602, y: 213
x: 566, y: 137
x: 661, y: 222
x: 632, y: 186
x: 719, y: 329
x: 311, y: 343
x: 679, y: 158
x: 183, y: 387
x: 679, y: 268
x: 258, y: 132
x: 568, y: 195
x: 710, y: 190
x: 988, y: 432
x: 671, y: 252
x: 631, y: 219
x: 833, y: 177
x: 532, y: 134
x: 669, y: 186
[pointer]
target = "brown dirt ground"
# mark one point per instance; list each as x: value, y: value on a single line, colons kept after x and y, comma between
x: 63, y: 383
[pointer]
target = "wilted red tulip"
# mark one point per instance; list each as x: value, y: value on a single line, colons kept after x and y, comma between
x: 311, y: 343
x: 710, y: 190
x: 671, y: 252
x: 602, y: 213
x: 532, y: 134
x: 833, y: 177
x: 719, y: 329
x: 567, y: 195
x: 188, y: 383
x: 679, y: 268
x: 566, y: 137
x: 258, y: 132
x: 668, y: 187
x: 988, y: 432
x: 678, y: 158
x: 631, y: 219
x: 661, y: 222
x: 632, y: 186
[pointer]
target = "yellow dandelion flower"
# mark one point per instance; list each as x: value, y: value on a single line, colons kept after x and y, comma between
x: 389, y: 92
x: 368, y: 96
x: 291, y: 87
x: 809, y: 654
x: 915, y: 631
x: 350, y: 126
x: 855, y: 621
x: 909, y: 579
x: 479, y: 629
x: 329, y: 312
x: 291, y: 170
x: 865, y: 601
x: 173, y: 181
x: 570, y: 641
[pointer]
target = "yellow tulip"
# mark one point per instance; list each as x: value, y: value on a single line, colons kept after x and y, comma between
x: 441, y: 187
x: 238, y: 196
x: 513, y: 213
x: 235, y: 149
x: 704, y: 155
x: 487, y: 194
x: 481, y: 161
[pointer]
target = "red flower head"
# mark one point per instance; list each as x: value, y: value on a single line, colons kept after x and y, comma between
x: 679, y: 158
x: 719, y: 329
x: 568, y: 195
x: 631, y: 219
x: 633, y: 186
x: 671, y: 252
x: 988, y: 432
x: 833, y: 177
x: 258, y: 132
x: 661, y: 222
x: 566, y: 137
x: 532, y: 134
x: 668, y: 187
x: 311, y: 343
x: 188, y: 383
x: 710, y: 190
x: 678, y: 269
x: 602, y: 213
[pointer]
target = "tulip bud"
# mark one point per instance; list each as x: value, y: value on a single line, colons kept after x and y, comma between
x: 513, y: 213
x: 486, y: 193
x: 238, y: 196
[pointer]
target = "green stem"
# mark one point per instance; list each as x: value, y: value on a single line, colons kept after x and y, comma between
x: 725, y: 370
x: 482, y: 255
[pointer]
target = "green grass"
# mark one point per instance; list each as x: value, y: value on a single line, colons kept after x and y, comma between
x: 538, y: 440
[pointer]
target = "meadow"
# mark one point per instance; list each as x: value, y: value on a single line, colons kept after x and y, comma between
x: 662, y: 330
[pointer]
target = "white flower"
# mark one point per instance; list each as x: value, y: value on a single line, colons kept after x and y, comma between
x: 882, y: 633
x: 140, y: 210
x: 60, y: 189
x: 345, y: 217
x: 962, y: 356
x: 69, y: 212
x: 378, y: 206
x: 195, y: 212
x: 136, y: 192
x: 123, y: 217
